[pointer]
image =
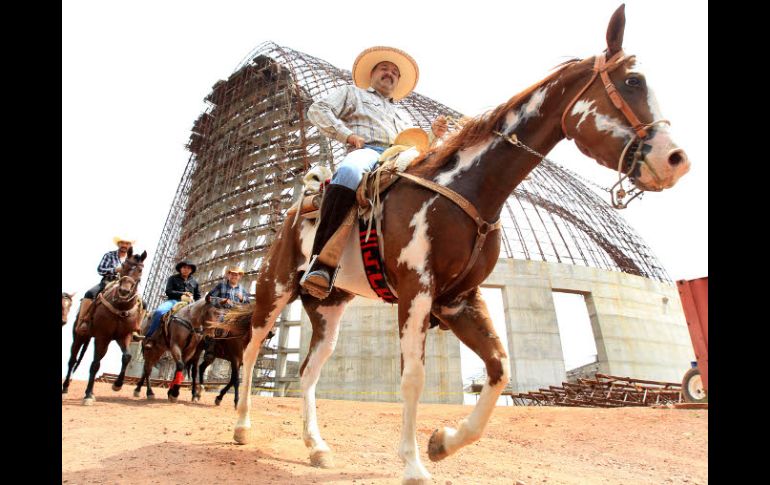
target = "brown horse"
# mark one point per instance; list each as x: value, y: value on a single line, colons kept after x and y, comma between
x: 160, y: 341
x: 66, y: 304
x: 114, y: 315
x: 182, y: 335
x: 436, y: 256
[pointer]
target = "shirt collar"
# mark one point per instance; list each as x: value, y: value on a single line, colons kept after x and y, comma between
x: 374, y: 91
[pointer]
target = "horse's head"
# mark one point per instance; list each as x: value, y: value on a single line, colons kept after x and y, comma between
x: 130, y: 274
x: 66, y: 304
x: 616, y: 121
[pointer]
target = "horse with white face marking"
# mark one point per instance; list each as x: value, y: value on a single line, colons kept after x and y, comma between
x: 436, y: 256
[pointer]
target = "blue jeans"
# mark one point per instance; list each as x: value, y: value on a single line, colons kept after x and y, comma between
x: 350, y: 171
x: 164, y: 308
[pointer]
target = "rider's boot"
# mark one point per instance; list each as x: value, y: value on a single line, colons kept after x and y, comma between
x: 83, y: 317
x: 336, y: 204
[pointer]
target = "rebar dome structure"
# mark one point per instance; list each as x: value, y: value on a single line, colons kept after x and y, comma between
x: 252, y: 144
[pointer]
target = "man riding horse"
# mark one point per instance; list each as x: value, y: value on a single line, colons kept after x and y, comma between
x: 180, y: 286
x: 367, y: 119
x: 108, y: 268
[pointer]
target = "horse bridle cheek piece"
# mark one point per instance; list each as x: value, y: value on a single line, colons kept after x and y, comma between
x: 601, y: 70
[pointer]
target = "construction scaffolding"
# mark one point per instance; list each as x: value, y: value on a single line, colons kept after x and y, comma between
x: 253, y: 143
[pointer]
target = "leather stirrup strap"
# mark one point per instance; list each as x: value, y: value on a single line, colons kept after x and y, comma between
x: 332, y: 252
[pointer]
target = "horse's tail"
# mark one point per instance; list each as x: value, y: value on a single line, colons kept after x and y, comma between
x: 82, y: 353
x: 237, y: 320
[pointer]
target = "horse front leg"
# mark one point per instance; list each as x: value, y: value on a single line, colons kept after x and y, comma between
x: 269, y: 301
x: 413, y: 316
x: 124, y: 360
x: 325, y: 317
x: 208, y: 359
x: 469, y: 320
x: 176, y: 354
x: 100, y: 348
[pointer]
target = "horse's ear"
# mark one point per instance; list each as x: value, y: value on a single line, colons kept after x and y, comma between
x: 143, y: 256
x: 130, y: 251
x: 615, y: 31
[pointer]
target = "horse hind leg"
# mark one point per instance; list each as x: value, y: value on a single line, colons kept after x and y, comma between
x: 325, y: 318
x: 100, y: 348
x: 77, y: 343
x: 470, y: 321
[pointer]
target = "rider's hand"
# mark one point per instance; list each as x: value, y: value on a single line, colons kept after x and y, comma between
x: 356, y: 141
x: 439, y: 126
x: 224, y: 301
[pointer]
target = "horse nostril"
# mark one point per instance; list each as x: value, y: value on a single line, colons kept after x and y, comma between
x: 676, y: 157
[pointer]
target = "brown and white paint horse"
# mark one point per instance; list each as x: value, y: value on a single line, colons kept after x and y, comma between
x: 428, y: 239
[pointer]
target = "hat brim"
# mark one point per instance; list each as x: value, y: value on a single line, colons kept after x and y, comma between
x: 117, y: 239
x: 407, y: 66
x: 236, y: 271
x: 413, y: 137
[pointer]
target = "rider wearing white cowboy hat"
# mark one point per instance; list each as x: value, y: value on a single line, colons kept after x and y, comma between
x: 228, y: 292
x: 367, y: 119
x: 108, y: 269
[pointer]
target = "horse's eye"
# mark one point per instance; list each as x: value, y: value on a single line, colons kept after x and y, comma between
x: 633, y: 82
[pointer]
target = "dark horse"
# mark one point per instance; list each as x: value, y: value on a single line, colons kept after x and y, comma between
x: 438, y: 249
x: 66, y: 304
x: 182, y: 335
x: 114, y: 315
x: 228, y: 347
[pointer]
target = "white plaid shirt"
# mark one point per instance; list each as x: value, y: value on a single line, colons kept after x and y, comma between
x: 351, y: 110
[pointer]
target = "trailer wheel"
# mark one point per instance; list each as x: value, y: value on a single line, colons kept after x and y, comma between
x: 692, y: 387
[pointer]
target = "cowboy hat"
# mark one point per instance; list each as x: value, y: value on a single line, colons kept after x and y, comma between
x: 118, y: 239
x: 185, y: 262
x: 407, y: 66
x: 413, y: 137
x: 235, y: 269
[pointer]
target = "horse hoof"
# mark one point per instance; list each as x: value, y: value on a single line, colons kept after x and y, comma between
x: 218, y: 401
x: 137, y: 394
x: 89, y: 401
x: 322, y: 459
x: 150, y: 396
x: 117, y: 388
x: 172, y: 398
x: 65, y: 390
x: 415, y: 481
x: 436, y: 450
x: 241, y: 435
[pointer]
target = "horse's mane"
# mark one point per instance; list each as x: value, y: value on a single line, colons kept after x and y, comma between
x: 192, y: 307
x: 479, y: 128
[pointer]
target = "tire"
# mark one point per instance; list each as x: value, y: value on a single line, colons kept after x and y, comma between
x: 692, y: 387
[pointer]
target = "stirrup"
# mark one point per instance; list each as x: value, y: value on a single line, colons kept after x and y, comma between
x: 314, y: 283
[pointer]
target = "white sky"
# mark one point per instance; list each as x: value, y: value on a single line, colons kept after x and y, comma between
x: 134, y: 75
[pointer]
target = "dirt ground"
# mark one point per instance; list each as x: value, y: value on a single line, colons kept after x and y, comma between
x: 127, y: 440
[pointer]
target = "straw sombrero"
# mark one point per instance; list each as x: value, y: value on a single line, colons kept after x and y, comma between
x: 413, y: 137
x: 365, y: 62
x: 117, y: 239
